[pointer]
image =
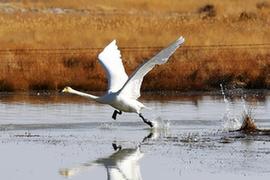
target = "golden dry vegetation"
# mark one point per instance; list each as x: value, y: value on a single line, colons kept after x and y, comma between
x: 46, y: 45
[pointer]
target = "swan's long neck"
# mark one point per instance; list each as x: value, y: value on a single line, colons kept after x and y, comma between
x: 72, y: 91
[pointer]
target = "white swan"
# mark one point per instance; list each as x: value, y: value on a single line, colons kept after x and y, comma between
x: 123, y: 92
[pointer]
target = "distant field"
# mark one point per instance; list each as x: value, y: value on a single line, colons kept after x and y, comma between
x: 46, y: 45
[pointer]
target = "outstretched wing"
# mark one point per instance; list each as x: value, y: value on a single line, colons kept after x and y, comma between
x: 110, y: 59
x: 132, y: 87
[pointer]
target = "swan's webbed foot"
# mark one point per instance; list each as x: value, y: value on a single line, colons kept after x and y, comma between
x: 115, y: 114
x: 116, y: 147
x: 149, y: 136
x: 146, y: 121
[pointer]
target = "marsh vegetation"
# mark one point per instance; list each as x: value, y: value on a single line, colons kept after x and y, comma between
x: 46, y: 45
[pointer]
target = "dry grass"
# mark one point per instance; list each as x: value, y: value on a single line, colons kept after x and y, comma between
x: 37, y: 24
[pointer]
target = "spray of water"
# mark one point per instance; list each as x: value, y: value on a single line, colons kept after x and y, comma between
x: 161, y: 128
x: 230, y: 120
x: 161, y: 124
x: 244, y: 104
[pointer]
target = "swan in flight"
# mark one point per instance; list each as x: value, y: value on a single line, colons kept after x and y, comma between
x: 123, y: 91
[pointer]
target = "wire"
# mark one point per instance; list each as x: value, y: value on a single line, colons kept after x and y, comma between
x: 64, y: 51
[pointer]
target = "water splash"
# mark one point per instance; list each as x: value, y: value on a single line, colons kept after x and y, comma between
x: 243, y: 121
x: 230, y: 120
x: 191, y: 138
x: 246, y: 110
x: 161, y: 128
x: 161, y: 124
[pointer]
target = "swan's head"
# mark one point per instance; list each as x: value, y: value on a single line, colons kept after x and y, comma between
x: 67, y: 89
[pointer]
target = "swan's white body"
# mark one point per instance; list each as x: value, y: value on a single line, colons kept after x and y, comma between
x: 123, y: 92
x: 116, y: 100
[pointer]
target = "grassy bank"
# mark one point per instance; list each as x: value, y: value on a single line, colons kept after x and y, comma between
x: 51, y: 44
x: 187, y: 70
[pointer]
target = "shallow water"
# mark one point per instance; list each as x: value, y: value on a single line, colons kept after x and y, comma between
x: 52, y: 137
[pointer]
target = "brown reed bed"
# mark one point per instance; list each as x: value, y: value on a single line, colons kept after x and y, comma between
x: 42, y: 49
x: 187, y: 70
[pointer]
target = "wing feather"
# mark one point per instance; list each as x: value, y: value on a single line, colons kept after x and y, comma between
x: 110, y: 59
x: 132, y: 87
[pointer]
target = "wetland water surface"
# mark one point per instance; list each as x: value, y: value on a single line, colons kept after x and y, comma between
x: 54, y: 137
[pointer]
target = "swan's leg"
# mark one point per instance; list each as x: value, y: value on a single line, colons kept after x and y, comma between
x: 149, y: 136
x: 146, y: 121
x: 116, y: 147
x: 115, y: 114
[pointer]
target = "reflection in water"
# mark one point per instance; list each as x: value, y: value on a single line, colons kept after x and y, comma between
x: 121, y: 165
